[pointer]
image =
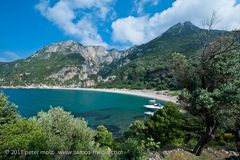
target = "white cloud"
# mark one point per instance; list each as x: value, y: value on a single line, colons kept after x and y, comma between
x: 9, y: 56
x: 139, y: 5
x: 70, y: 16
x: 137, y: 30
x: 130, y: 29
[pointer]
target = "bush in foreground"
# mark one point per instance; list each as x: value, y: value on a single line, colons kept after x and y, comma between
x: 18, y: 139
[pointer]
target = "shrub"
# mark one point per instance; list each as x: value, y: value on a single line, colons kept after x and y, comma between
x: 8, y: 111
x: 21, y: 136
x: 66, y: 133
x: 63, y: 128
x: 136, y: 130
x: 133, y: 149
x: 166, y: 126
x: 150, y: 144
x: 103, y: 137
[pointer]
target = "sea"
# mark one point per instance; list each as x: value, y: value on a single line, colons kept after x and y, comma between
x: 113, y: 110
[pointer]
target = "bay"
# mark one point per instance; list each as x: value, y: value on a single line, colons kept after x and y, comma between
x: 115, y: 111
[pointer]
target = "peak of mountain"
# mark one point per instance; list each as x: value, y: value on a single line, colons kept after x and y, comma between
x: 67, y: 43
x: 189, y: 24
x: 182, y: 29
x: 97, y: 54
x: 70, y: 46
x: 183, y: 24
x: 61, y: 46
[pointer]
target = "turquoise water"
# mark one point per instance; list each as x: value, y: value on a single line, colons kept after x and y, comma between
x: 115, y: 111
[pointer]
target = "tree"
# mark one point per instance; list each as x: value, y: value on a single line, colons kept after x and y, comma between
x: 212, y: 82
x: 8, y: 111
x: 136, y: 130
x: 103, y: 137
x: 167, y: 125
x: 18, y: 139
x: 133, y: 149
x: 66, y: 133
x: 178, y: 65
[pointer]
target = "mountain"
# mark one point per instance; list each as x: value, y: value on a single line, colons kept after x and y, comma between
x: 63, y: 63
x: 72, y: 64
x: 145, y: 66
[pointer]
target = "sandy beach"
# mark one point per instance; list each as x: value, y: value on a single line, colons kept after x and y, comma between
x: 159, y: 95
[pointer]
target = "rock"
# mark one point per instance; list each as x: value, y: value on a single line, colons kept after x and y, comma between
x: 232, y: 153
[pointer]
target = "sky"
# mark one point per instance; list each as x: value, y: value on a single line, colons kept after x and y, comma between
x: 28, y: 25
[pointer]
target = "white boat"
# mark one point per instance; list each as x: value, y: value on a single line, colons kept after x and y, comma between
x: 152, y: 107
x: 149, y: 113
x: 156, y: 106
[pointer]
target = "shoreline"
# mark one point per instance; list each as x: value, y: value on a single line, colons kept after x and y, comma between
x: 159, y: 95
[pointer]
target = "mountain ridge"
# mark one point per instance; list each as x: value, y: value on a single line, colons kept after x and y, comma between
x: 70, y: 63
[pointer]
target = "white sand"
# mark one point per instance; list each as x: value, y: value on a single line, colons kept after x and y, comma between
x: 160, y: 95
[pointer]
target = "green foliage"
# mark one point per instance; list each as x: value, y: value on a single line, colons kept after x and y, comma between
x: 136, y: 130
x: 64, y: 131
x: 216, y: 93
x: 212, y: 84
x: 192, y: 142
x: 140, y: 74
x: 150, y: 144
x: 22, y: 137
x: 8, y: 111
x: 133, y: 149
x: 203, y: 98
x: 167, y: 126
x: 103, y: 137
